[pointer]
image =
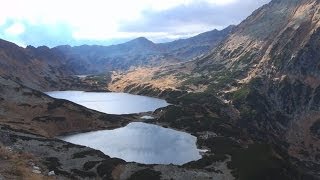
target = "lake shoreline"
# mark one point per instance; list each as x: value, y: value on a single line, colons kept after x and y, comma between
x: 137, y: 132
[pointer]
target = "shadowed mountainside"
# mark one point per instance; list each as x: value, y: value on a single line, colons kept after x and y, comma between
x: 39, y: 68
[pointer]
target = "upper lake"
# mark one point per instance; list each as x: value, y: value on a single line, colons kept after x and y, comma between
x: 111, y: 103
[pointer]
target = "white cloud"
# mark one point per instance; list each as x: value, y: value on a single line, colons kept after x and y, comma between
x: 99, y: 19
x: 15, y: 29
x: 2, y: 21
x: 222, y: 2
x: 88, y: 18
x: 118, y: 35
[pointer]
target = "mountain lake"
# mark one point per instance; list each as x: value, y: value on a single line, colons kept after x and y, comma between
x: 137, y: 142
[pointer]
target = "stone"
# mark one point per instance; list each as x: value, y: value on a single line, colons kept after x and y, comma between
x: 51, y: 173
x: 36, y: 171
x: 36, y: 168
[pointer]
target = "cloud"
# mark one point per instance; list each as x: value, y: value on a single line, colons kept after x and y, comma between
x: 2, y: 21
x: 56, y: 34
x: 15, y: 29
x: 44, y: 22
x: 194, y: 18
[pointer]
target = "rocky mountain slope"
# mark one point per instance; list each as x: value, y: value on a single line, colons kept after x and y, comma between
x: 268, y: 70
x: 39, y: 68
x: 273, y: 75
x: 139, y: 52
x: 201, y: 44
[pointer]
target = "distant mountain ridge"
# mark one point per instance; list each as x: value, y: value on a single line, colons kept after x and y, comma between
x: 38, y: 68
x: 139, y: 52
x: 197, y: 45
x: 43, y: 68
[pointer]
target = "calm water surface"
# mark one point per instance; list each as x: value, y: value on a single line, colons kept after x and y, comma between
x: 111, y: 103
x: 142, y: 143
x: 136, y: 142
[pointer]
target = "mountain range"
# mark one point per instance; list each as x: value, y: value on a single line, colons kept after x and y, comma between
x: 43, y: 68
x: 249, y: 93
x: 139, y: 52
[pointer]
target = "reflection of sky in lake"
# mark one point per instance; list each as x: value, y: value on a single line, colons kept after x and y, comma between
x: 138, y: 142
x: 111, y: 103
x: 147, y: 117
x: 142, y: 143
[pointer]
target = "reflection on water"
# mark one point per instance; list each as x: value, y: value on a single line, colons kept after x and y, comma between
x: 142, y: 143
x: 111, y: 103
x: 137, y: 142
x: 147, y: 117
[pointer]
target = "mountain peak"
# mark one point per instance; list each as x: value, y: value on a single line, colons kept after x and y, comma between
x: 141, y: 40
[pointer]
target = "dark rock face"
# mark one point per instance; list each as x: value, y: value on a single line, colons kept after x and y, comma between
x: 145, y: 174
x: 315, y: 129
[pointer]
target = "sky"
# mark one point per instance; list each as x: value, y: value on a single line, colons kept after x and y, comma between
x: 106, y: 22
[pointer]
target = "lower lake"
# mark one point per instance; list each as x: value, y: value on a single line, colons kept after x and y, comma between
x: 142, y: 143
